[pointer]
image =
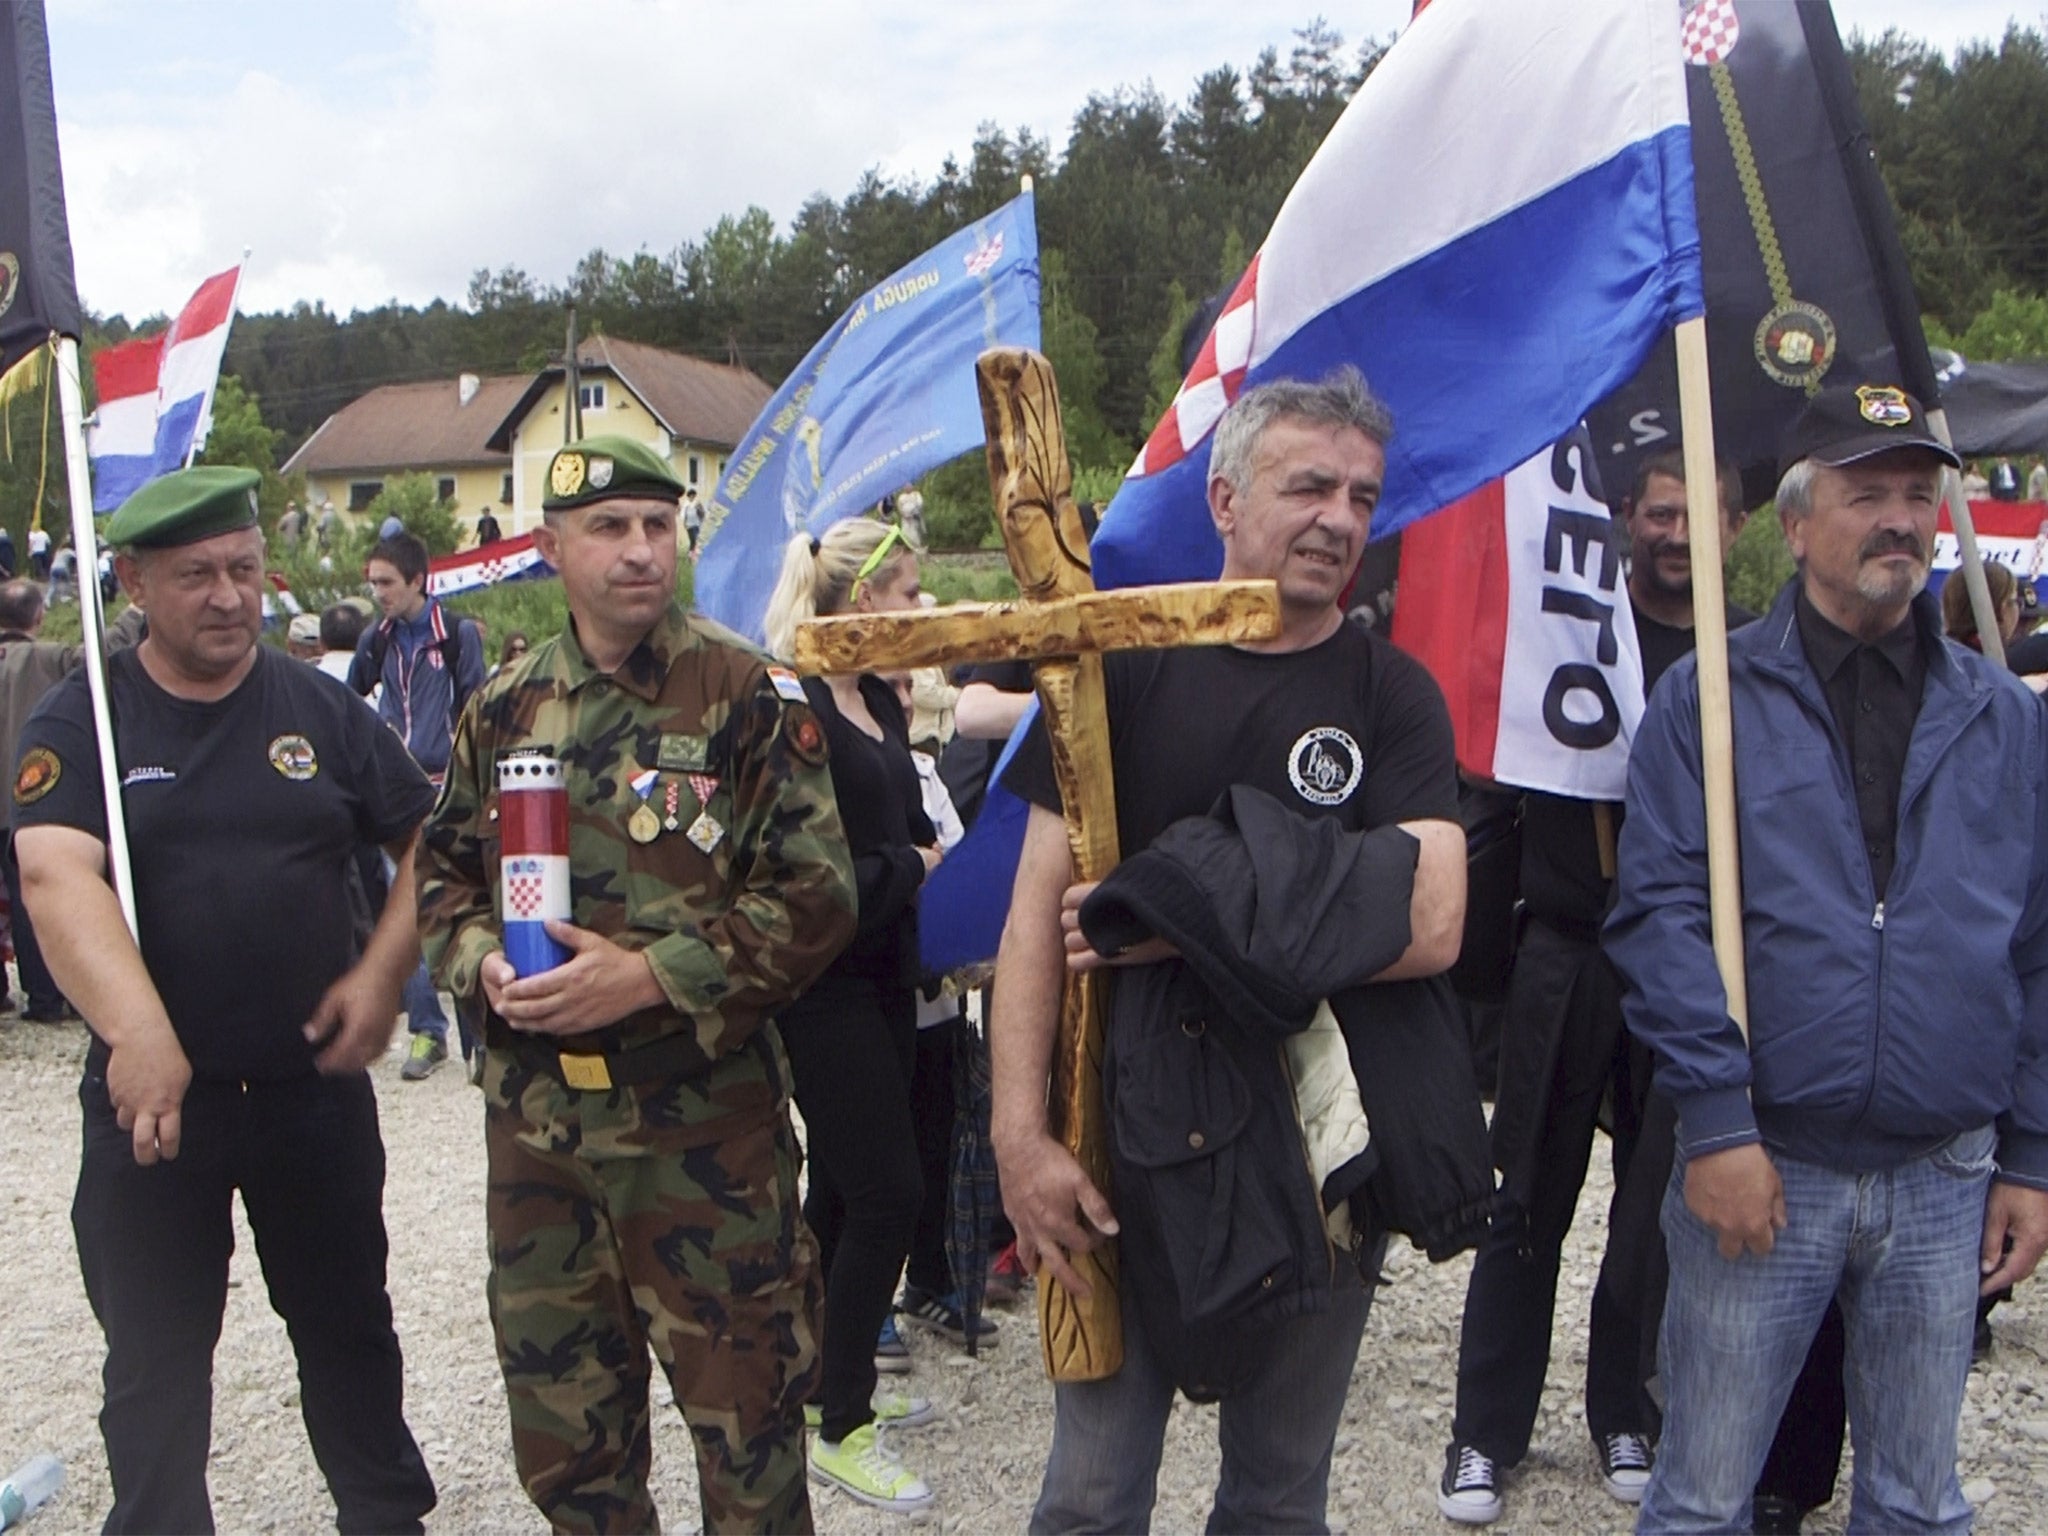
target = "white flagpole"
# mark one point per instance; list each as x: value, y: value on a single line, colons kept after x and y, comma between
x: 85, y: 544
x: 204, y: 426
x: 1710, y: 629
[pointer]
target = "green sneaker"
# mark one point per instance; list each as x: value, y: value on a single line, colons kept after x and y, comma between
x: 862, y: 1467
x: 893, y: 1410
x: 427, y: 1053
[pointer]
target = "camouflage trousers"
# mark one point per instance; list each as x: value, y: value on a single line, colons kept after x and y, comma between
x: 662, y: 1215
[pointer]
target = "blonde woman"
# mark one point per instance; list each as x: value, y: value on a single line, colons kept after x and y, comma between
x: 852, y: 1038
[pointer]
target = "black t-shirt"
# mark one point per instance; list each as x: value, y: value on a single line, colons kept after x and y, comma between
x: 967, y: 761
x: 243, y: 816
x: 1561, y: 879
x: 1350, y: 728
x: 1003, y: 676
x: 882, y: 808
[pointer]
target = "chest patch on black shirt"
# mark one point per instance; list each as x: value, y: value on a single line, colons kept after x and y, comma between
x: 293, y: 756
x: 1325, y: 765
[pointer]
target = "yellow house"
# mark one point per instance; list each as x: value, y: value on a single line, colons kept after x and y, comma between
x: 440, y: 429
x: 691, y: 412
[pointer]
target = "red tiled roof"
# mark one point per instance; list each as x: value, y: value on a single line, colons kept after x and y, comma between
x: 703, y: 402
x: 412, y: 426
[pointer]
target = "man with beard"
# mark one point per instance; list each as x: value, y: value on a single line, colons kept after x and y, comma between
x: 1564, y: 1052
x: 1881, y: 1135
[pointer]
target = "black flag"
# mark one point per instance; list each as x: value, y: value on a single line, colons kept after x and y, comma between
x: 38, y: 294
x: 1806, y: 280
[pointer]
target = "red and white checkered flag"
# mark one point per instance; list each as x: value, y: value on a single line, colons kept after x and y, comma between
x: 1709, y: 31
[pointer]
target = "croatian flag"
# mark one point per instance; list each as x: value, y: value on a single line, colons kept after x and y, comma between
x: 156, y: 395
x: 2013, y: 534
x: 488, y: 565
x: 1496, y: 232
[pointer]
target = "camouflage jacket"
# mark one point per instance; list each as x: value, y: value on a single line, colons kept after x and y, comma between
x: 732, y: 933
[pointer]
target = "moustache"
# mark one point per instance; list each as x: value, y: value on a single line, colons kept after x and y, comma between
x: 1893, y: 544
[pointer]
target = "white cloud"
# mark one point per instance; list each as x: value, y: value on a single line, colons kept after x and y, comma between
x: 416, y: 141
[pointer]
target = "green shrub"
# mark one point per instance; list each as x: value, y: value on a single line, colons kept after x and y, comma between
x: 1759, y: 564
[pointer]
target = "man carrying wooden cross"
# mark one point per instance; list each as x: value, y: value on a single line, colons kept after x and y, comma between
x: 1330, y: 722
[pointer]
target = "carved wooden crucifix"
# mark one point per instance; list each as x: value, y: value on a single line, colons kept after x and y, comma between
x: 1063, y: 625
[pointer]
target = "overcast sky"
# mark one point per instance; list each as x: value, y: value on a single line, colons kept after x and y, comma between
x: 377, y: 149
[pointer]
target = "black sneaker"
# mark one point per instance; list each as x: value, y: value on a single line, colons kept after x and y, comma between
x: 942, y: 1315
x: 1470, y: 1491
x: 1625, y: 1462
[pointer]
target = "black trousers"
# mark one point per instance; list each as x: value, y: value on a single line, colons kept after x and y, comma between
x: 1504, y: 1346
x: 931, y: 1110
x: 44, y: 1000
x: 154, y: 1245
x: 852, y: 1046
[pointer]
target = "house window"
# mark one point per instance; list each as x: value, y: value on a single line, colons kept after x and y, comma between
x: 695, y: 465
x: 590, y: 397
x: 444, y: 487
x: 362, y: 492
x: 505, y: 491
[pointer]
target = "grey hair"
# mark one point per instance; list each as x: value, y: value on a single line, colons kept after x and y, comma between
x: 1341, y: 398
x: 1795, y: 490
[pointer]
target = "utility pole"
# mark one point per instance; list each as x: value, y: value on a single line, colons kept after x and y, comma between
x: 572, y: 402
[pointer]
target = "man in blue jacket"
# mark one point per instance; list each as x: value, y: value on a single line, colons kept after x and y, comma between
x: 423, y: 663
x: 1883, y: 1136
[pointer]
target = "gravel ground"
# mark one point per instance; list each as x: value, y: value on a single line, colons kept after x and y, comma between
x: 983, y: 1457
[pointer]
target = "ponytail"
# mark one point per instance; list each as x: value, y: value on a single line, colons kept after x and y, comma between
x: 794, y: 598
x: 818, y: 577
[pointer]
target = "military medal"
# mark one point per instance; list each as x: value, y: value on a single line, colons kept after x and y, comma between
x: 705, y: 832
x: 674, y: 795
x: 644, y: 826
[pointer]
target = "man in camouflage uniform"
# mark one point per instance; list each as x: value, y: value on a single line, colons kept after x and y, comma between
x: 642, y: 1164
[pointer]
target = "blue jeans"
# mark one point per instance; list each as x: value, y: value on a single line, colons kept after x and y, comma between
x: 423, y: 1015
x: 1276, y: 1435
x: 1899, y: 1249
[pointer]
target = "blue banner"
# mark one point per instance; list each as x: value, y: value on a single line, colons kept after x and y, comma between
x: 886, y: 395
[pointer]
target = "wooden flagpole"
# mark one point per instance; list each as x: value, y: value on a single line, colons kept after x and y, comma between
x: 1972, y: 562
x: 1710, y: 631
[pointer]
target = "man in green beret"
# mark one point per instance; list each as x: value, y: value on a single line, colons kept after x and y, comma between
x: 228, y: 1052
x: 643, y: 1167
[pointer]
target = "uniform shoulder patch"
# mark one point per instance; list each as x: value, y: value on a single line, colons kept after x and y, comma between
x: 787, y: 684
x: 805, y: 736
x: 40, y: 771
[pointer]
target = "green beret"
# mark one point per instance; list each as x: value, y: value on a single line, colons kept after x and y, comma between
x: 601, y: 468
x: 186, y: 506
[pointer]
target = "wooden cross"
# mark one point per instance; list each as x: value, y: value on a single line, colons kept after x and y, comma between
x: 1062, y: 624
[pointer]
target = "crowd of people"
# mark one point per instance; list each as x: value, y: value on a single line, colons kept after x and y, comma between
x: 1818, y: 1185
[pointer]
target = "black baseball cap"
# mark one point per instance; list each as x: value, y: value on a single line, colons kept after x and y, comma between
x: 1847, y: 422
